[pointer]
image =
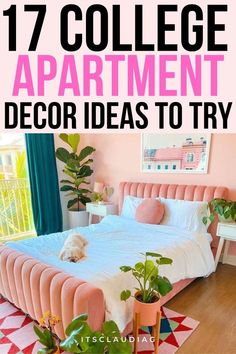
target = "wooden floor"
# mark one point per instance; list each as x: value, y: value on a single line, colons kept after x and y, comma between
x: 212, y: 301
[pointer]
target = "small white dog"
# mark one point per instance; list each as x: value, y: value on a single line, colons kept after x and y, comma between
x: 73, y: 249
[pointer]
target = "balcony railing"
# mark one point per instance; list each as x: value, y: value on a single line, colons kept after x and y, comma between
x: 16, y: 218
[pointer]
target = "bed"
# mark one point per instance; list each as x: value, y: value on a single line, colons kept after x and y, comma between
x: 32, y: 277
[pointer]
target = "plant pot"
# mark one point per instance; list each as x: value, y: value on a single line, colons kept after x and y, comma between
x: 78, y: 218
x: 148, y: 312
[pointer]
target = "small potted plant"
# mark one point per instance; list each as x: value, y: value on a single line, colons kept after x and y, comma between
x: 151, y: 286
x: 97, y: 197
x: 103, y: 197
x: 226, y: 210
x: 46, y: 334
x: 77, y: 168
x: 82, y: 339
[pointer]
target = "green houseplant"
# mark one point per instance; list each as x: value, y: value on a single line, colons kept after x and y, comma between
x: 97, y: 197
x: 151, y: 286
x: 102, y: 197
x: 46, y: 334
x: 226, y: 210
x: 77, y: 168
x: 82, y: 339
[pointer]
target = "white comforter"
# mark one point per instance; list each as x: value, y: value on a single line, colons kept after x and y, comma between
x: 118, y: 241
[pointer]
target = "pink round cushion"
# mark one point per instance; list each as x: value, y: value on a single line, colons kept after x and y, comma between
x: 150, y: 211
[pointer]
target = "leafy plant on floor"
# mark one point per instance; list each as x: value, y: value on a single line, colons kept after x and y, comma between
x: 81, y: 338
x: 151, y: 284
x: 77, y: 168
x: 46, y: 334
x: 221, y: 207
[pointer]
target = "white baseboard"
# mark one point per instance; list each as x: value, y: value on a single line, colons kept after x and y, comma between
x: 231, y: 260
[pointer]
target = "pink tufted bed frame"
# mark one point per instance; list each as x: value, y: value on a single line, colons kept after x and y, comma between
x: 35, y: 287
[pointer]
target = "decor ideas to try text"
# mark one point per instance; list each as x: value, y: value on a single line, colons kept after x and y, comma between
x: 124, y: 66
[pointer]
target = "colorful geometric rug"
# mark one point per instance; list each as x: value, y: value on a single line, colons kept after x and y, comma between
x: 175, y: 330
x: 17, y: 335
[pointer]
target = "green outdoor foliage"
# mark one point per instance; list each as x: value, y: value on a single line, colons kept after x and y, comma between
x: 21, y: 165
x: 77, y: 168
x: 81, y: 338
x: 221, y: 207
x: 147, y: 275
x: 14, y: 220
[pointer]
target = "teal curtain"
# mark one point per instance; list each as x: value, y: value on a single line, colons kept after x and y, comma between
x: 44, y: 183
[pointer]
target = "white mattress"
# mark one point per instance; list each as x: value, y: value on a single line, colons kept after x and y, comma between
x: 118, y: 241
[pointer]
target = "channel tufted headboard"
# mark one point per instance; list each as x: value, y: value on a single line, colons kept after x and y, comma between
x: 174, y: 191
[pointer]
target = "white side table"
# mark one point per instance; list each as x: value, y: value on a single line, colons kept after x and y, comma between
x: 100, y: 210
x: 226, y: 232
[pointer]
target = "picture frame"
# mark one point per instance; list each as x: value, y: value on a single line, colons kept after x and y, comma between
x: 175, y: 153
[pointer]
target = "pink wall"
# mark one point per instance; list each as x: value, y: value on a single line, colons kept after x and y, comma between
x: 117, y: 159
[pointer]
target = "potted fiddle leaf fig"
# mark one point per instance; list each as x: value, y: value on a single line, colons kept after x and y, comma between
x: 77, y: 168
x: 151, y: 286
x: 82, y: 339
x: 225, y: 209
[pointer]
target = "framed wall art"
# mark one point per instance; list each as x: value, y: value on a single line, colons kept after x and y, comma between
x: 175, y: 153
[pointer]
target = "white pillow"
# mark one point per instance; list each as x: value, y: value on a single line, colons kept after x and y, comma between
x: 129, y: 206
x: 185, y: 215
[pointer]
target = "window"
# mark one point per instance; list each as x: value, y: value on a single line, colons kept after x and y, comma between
x: 166, y: 167
x: 15, y: 194
x: 150, y: 152
x: 174, y: 167
x: 158, y: 167
x: 149, y: 167
x: 190, y: 157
